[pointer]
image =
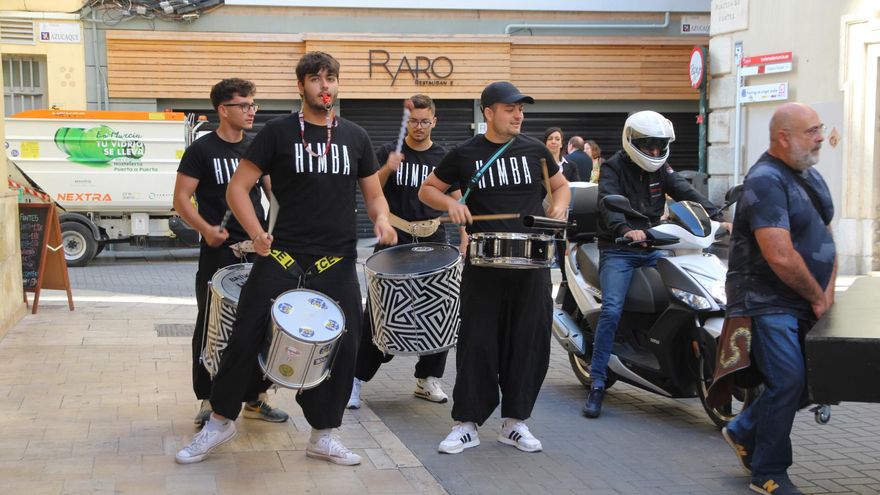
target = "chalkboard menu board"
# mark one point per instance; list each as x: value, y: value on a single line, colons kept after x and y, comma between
x: 32, y: 225
x: 42, y: 252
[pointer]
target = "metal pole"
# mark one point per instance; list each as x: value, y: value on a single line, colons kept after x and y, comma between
x: 701, y: 153
x: 737, y: 136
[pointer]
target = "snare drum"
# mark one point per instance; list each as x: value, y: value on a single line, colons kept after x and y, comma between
x: 413, y: 297
x: 225, y: 289
x: 512, y: 250
x: 302, y: 340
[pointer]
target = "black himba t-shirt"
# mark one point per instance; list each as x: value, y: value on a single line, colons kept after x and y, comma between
x: 513, y: 184
x: 316, y: 195
x: 212, y: 161
x: 402, y: 188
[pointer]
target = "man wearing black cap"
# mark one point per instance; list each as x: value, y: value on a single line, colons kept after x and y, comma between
x: 506, y: 313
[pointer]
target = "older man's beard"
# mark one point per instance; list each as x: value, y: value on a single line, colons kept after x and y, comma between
x: 804, y: 157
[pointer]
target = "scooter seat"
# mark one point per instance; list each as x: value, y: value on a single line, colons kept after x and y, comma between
x: 588, y: 262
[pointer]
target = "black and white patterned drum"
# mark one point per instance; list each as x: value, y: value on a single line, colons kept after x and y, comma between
x: 512, y: 250
x: 413, y: 297
x: 303, y: 336
x: 225, y: 289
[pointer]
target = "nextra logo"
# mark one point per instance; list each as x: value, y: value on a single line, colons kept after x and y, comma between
x: 71, y: 196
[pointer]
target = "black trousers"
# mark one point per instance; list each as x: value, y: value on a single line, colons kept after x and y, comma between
x: 504, y: 341
x: 369, y: 357
x: 323, y: 405
x: 210, y: 260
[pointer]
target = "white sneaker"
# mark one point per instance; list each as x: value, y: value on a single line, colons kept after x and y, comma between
x: 429, y: 389
x: 204, y: 413
x: 516, y: 433
x: 463, y: 436
x: 206, y: 440
x: 329, y: 447
x: 354, y: 402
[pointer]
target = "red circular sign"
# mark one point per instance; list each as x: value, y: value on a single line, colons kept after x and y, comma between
x: 697, y: 67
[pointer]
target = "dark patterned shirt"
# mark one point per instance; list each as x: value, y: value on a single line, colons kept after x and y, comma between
x: 772, y: 197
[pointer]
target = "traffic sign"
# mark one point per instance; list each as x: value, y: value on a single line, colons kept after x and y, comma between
x: 763, y: 92
x: 697, y: 67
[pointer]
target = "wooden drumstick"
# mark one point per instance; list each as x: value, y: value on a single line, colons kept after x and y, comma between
x: 546, y: 175
x: 494, y: 216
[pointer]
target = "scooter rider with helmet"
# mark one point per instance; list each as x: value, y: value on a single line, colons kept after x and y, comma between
x: 640, y: 173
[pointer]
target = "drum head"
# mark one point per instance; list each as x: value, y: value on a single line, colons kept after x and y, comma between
x: 308, y: 316
x: 228, y: 281
x: 412, y: 259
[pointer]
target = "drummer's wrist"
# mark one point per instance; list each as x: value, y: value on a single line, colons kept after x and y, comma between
x: 260, y: 234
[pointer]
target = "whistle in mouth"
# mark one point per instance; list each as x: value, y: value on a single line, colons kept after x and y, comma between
x: 326, y: 99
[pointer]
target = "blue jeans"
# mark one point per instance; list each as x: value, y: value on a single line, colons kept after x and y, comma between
x: 615, y: 273
x: 764, y: 428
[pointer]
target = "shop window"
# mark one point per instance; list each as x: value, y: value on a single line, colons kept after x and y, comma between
x: 24, y: 83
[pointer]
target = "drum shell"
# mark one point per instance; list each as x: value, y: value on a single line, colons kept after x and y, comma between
x: 512, y: 250
x: 295, y: 363
x: 415, y: 313
x: 309, y: 363
x: 221, y: 314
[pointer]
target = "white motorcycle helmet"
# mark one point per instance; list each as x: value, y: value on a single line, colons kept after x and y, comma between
x: 647, y: 130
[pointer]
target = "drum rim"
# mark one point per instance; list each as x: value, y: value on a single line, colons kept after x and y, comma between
x: 411, y: 276
x: 406, y: 276
x: 511, y: 236
x: 275, y: 324
x: 211, y: 284
x: 505, y: 262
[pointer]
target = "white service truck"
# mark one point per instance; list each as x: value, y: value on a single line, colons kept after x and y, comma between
x: 111, y: 173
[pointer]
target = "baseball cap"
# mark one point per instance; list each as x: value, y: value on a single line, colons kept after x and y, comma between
x: 502, y: 92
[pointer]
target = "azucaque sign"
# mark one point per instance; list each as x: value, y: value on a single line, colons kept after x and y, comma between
x: 424, y: 71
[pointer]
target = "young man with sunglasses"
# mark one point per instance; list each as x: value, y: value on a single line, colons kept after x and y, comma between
x: 204, y: 173
x: 640, y: 173
x: 401, y: 175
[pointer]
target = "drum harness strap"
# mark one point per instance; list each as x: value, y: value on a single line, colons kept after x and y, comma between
x: 472, y: 183
x: 287, y: 262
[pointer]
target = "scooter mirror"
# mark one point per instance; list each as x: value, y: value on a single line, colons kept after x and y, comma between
x: 620, y: 204
x: 733, y: 194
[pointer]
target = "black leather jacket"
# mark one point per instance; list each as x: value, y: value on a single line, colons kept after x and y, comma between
x: 646, y: 192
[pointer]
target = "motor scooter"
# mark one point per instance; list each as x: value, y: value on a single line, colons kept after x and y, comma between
x: 673, y: 314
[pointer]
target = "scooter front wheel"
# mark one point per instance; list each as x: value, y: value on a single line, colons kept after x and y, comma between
x: 742, y: 397
x: 581, y: 367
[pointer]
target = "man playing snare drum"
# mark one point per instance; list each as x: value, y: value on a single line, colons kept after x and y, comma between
x: 505, y: 313
x: 315, y: 162
x: 204, y: 172
x: 401, y: 175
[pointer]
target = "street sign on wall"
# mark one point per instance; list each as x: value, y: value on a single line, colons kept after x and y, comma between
x: 770, y: 58
x: 763, y: 92
x: 754, y: 70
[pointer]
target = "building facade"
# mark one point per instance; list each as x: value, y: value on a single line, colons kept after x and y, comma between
x: 835, y: 53
x: 43, y: 61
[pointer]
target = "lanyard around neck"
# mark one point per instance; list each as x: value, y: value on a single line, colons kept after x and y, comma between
x: 302, y: 134
x: 472, y: 183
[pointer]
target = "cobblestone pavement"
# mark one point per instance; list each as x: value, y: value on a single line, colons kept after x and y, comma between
x: 642, y: 444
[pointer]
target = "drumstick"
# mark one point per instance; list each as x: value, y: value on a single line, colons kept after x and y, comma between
x: 407, y: 108
x: 546, y: 180
x: 273, y: 211
x: 225, y: 219
x: 494, y: 216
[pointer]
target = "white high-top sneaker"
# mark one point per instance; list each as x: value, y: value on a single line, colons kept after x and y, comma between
x: 328, y: 446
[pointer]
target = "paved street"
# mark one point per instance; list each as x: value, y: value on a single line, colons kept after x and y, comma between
x: 95, y: 402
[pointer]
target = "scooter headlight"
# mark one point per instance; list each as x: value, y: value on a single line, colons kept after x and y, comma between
x: 714, y: 287
x: 695, y: 301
